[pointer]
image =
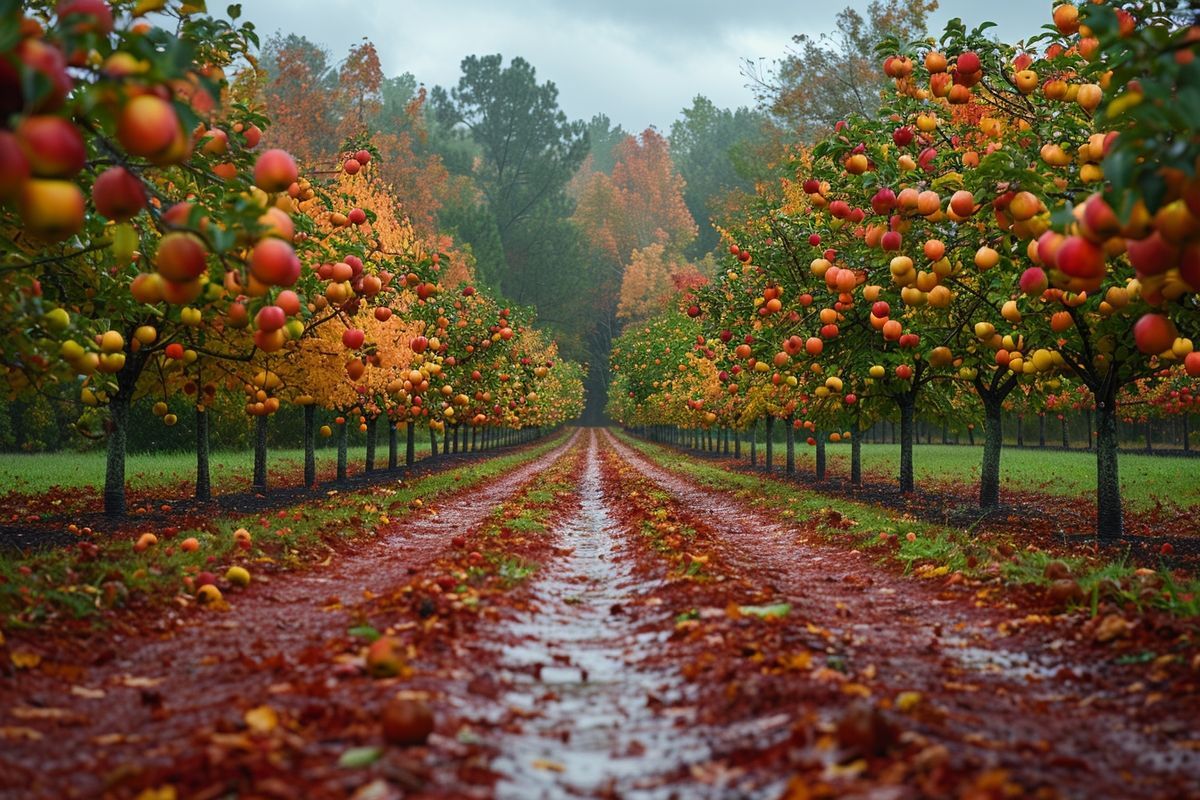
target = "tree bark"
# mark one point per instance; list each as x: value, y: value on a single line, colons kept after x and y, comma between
x: 856, y: 460
x: 820, y: 440
x: 393, y: 445
x: 1066, y: 438
x: 260, y: 454
x: 737, y: 445
x: 343, y: 439
x: 432, y: 444
x: 310, y: 447
x: 203, y: 477
x: 993, y: 446
x: 1020, y: 430
x: 754, y: 444
x: 371, y: 438
x: 789, y: 433
x: 1041, y: 430
x: 770, y: 459
x: 907, y: 415
x: 410, y: 444
x: 1109, y: 524
x: 1149, y: 436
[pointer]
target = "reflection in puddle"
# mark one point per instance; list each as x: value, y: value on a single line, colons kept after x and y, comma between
x: 596, y: 722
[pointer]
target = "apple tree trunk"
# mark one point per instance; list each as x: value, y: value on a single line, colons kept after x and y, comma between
x: 1066, y: 439
x: 371, y: 437
x: 820, y: 440
x: 203, y: 479
x: 432, y: 444
x: 993, y: 446
x: 393, y: 445
x: 260, y: 454
x: 770, y: 459
x: 1109, y: 524
x: 907, y: 434
x: 856, y: 460
x: 343, y: 436
x: 310, y: 445
x: 409, y: 444
x: 754, y: 444
x: 789, y: 433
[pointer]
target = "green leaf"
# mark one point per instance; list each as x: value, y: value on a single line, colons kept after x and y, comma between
x: 766, y: 612
x: 234, y: 11
x: 357, y: 757
x: 364, y: 632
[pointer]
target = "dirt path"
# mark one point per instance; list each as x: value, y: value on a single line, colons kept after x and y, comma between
x: 1033, y: 703
x: 124, y: 707
x: 593, y: 625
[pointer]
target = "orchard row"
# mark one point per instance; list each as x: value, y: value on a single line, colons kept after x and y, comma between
x: 1017, y: 226
x: 154, y: 243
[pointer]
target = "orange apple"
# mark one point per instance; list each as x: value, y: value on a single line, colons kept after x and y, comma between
x: 275, y: 170
x: 147, y: 126
x: 51, y: 209
x: 181, y: 256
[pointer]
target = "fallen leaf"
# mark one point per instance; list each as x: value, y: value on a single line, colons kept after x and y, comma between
x: 20, y: 733
x: 30, y: 712
x: 134, y: 682
x: 85, y: 692
x: 549, y: 766
x: 360, y: 757
x: 262, y: 720
x: 24, y: 659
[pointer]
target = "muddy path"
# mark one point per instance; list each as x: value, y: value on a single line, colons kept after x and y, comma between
x: 121, y: 710
x: 995, y: 686
x: 594, y: 625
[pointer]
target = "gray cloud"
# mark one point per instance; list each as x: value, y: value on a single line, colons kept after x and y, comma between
x: 638, y: 61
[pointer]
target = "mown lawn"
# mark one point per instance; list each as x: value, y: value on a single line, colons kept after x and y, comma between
x: 1145, y: 479
x: 230, y: 470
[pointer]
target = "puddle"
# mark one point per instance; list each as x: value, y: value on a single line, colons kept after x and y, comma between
x: 597, y: 723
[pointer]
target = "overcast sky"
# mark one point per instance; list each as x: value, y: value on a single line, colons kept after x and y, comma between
x: 638, y: 61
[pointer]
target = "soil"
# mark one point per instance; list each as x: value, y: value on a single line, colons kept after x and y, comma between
x: 595, y: 625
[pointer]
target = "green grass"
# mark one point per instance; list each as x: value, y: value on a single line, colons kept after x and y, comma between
x: 31, y: 474
x: 1145, y: 480
x: 44, y: 586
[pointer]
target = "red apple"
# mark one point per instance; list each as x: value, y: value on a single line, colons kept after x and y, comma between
x: 53, y: 146
x: 118, y: 194
x: 270, y: 318
x: 275, y: 170
x: 352, y: 338
x: 274, y: 263
x: 14, y: 167
x: 181, y: 256
x: 1154, y: 333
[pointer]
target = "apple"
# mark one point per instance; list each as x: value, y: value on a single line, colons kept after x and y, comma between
x: 145, y: 542
x: 1033, y: 281
x: 50, y: 65
x: 270, y: 319
x: 406, y: 721
x: 207, y: 594
x: 274, y: 263
x: 14, y: 167
x: 357, y: 216
x: 190, y: 544
x: 883, y: 201
x: 238, y: 576
x: 881, y: 309
x: 383, y: 658
x: 275, y: 170
x: 1154, y: 333
x: 1191, y: 363
x: 903, y: 136
x: 147, y: 126
x: 962, y: 203
x: 891, y: 241
x: 351, y: 166
x: 51, y: 209
x: 1026, y: 80
x: 968, y: 63
x: 118, y: 194
x: 1066, y: 19
x: 419, y: 344
x: 904, y: 372
x: 352, y: 338
x: 181, y: 257
x: 1152, y: 255
x: 53, y: 146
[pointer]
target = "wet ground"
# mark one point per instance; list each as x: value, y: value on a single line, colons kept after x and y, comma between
x: 595, y: 625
